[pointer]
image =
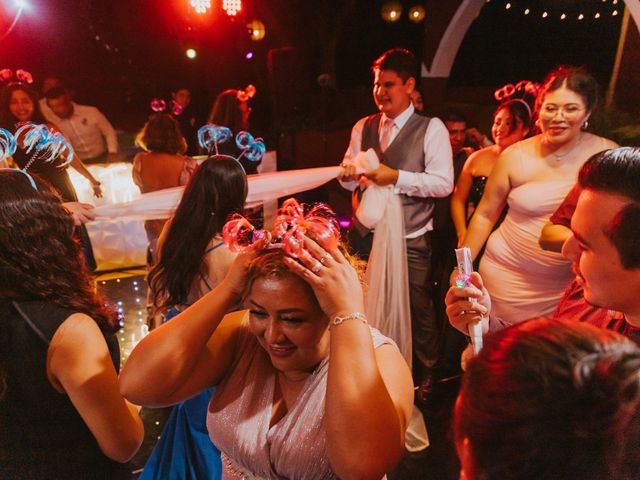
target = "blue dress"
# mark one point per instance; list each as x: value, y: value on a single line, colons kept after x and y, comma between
x: 184, y: 450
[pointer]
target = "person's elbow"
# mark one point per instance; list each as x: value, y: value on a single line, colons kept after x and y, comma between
x: 127, y: 443
x: 371, y: 469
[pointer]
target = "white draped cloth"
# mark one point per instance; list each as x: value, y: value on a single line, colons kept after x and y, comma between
x: 262, y: 188
x: 387, y: 296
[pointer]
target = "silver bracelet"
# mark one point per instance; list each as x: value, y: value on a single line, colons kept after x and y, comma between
x: 337, y: 320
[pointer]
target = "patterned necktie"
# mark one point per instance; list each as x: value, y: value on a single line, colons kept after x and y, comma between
x: 385, y: 133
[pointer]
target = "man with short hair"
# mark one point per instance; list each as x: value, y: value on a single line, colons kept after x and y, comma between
x: 415, y: 157
x: 90, y: 133
x: 48, y: 82
x: 604, y: 248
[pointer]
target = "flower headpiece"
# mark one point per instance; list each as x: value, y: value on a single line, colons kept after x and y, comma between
x: 42, y: 144
x: 517, y: 92
x: 210, y: 135
x: 20, y: 76
x: 246, y: 94
x: 8, y: 147
x: 158, y: 105
x: 290, y: 227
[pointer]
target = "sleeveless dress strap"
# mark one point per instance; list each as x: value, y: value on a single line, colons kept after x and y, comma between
x: 33, y: 326
x: 203, y: 277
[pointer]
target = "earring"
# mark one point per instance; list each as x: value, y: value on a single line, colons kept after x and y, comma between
x: 585, y: 125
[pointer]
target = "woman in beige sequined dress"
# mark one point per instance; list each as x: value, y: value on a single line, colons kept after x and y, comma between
x: 284, y: 407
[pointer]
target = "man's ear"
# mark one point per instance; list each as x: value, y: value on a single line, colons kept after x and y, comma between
x: 410, y: 84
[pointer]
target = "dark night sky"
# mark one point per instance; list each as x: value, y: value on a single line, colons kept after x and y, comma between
x: 118, y: 54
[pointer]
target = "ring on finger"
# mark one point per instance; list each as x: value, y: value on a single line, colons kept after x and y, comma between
x: 324, y: 258
x: 316, y: 267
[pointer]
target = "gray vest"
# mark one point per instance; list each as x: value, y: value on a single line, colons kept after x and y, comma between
x: 406, y: 152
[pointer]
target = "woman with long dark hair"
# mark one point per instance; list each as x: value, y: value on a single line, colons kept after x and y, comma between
x: 193, y: 260
x: 58, y: 353
x: 231, y: 109
x: 19, y: 105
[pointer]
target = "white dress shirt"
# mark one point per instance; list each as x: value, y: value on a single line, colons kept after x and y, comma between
x: 437, y: 178
x: 88, y: 130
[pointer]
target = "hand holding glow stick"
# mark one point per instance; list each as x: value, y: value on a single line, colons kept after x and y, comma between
x: 465, y: 269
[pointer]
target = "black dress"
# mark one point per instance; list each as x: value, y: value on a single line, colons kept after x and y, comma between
x: 43, y: 435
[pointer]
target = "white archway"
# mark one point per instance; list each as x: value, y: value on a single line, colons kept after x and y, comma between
x: 458, y: 27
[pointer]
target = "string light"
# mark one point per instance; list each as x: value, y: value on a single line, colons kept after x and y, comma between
x: 564, y: 15
x: 417, y: 13
x: 232, y: 7
x: 391, y: 11
x: 201, y: 6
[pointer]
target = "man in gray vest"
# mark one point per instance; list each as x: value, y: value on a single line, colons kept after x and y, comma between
x: 415, y: 156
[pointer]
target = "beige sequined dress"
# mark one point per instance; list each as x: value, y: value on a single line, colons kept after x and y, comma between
x: 240, y: 412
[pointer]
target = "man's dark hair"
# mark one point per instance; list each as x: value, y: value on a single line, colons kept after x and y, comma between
x: 56, y: 92
x: 617, y: 171
x: 454, y: 117
x: 398, y: 60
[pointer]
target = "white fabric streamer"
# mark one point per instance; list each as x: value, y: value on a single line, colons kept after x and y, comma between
x: 387, y: 299
x: 262, y: 188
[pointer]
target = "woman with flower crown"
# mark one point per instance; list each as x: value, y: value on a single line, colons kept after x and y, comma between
x: 19, y: 105
x: 532, y: 177
x: 305, y: 389
x: 511, y: 123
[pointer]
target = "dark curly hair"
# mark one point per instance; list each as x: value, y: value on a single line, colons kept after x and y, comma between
x: 7, y: 120
x: 546, y: 399
x: 162, y: 134
x: 217, y: 189
x: 39, y: 257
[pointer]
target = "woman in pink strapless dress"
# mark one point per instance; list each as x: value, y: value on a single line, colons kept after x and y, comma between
x: 533, y: 177
x: 284, y: 406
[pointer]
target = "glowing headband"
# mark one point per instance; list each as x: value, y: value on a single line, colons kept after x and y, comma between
x: 523, y: 87
x: 158, y: 105
x: 209, y: 136
x: 8, y: 147
x: 246, y: 94
x: 290, y: 227
x: 20, y: 76
x: 43, y: 144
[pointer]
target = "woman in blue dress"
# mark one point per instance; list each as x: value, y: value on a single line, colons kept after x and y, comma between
x: 192, y: 261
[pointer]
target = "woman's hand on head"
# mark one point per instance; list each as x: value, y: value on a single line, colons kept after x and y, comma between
x: 236, y: 278
x: 333, y: 280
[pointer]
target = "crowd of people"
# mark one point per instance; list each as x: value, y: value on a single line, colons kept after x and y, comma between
x: 262, y: 340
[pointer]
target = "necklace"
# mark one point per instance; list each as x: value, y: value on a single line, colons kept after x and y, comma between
x: 560, y: 157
